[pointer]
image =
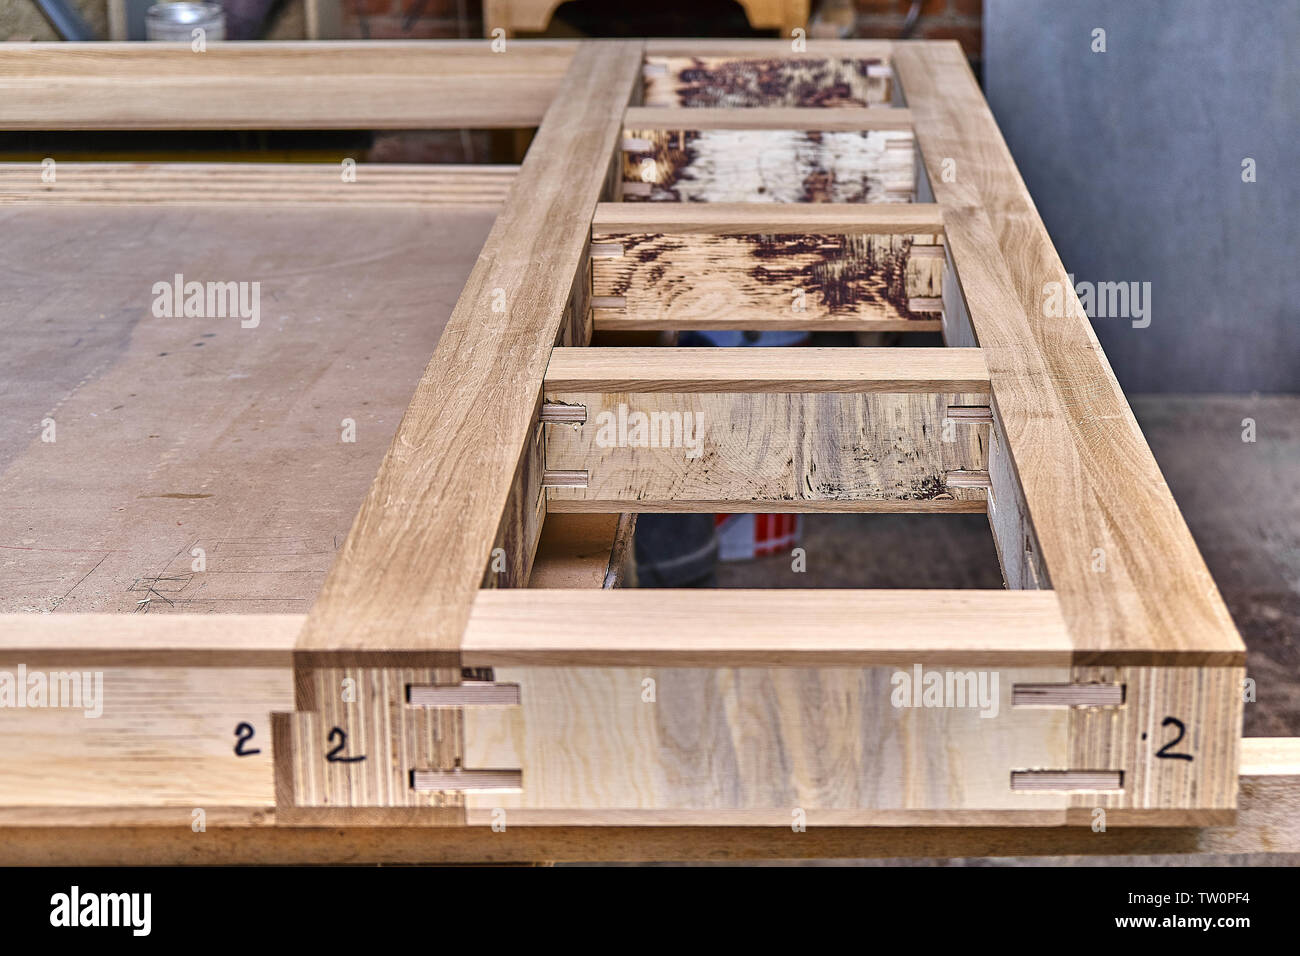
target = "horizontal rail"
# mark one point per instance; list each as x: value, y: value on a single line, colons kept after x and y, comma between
x: 705, y: 628
x: 771, y: 628
x: 767, y: 218
x: 778, y: 117
x: 766, y: 370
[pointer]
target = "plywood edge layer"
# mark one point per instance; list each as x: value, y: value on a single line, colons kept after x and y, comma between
x: 255, y: 184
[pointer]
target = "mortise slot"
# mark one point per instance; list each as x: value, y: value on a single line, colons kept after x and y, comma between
x: 608, y: 250
x: 469, y: 781
x: 632, y: 144
x: 971, y: 414
x: 930, y: 304
x: 468, y: 694
x: 1067, y: 695
x: 966, y: 479
x: 555, y: 478
x: 560, y: 413
x: 922, y: 252
x: 1068, y: 780
x: 609, y: 302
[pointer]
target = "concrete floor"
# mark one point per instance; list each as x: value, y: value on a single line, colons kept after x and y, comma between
x: 1240, y: 499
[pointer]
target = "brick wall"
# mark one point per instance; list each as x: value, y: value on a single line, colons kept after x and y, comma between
x: 960, y: 20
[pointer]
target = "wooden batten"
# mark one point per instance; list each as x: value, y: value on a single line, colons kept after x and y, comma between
x: 735, y: 81
x: 706, y: 429
x: 757, y: 267
x: 847, y: 120
x: 760, y: 164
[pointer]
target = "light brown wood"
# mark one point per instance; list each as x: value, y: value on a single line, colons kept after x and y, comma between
x: 750, y: 165
x: 807, y: 628
x: 187, y: 474
x: 278, y: 85
x: 422, y: 601
x: 769, y: 118
x: 799, y: 675
x: 255, y: 184
x: 729, y: 219
x: 1167, y: 739
x: 778, y: 746
x: 748, y: 450
x: 1090, y: 482
x: 766, y: 370
x: 575, y: 551
x: 802, y: 280
x: 777, y: 76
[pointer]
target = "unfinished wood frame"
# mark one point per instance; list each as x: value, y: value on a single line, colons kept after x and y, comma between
x: 585, y: 706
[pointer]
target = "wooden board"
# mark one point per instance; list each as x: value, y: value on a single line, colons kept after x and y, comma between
x: 738, y: 82
x: 527, y: 266
x: 277, y: 85
x: 185, y: 434
x: 1092, y: 489
x: 765, y: 281
x: 767, y: 164
x: 766, y: 704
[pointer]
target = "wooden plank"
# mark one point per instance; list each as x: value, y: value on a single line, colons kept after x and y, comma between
x: 769, y: 280
x: 766, y: 370
x: 647, y: 745
x: 1093, y: 490
x: 773, y: 77
x: 768, y: 118
x: 1267, y: 823
x: 278, y: 85
x: 690, y: 451
x: 767, y: 628
x: 709, y: 407
x: 607, y: 627
x: 749, y: 165
x: 870, y: 49
x: 435, y: 508
x: 731, y: 219
x: 149, y: 503
x: 255, y: 184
